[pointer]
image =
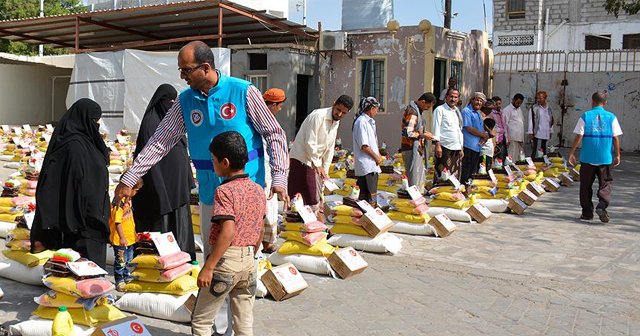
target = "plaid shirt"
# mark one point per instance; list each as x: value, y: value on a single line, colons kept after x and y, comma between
x: 410, y: 129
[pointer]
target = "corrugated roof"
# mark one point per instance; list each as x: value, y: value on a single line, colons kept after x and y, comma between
x: 157, y: 27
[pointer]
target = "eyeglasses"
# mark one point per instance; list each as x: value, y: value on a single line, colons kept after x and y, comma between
x: 187, y: 71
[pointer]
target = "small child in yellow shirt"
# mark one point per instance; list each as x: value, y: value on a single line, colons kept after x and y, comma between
x: 123, y: 238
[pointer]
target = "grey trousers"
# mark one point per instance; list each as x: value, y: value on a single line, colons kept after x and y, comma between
x: 414, y: 168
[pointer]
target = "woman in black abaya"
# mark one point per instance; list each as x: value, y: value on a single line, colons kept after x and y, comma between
x: 72, y: 201
x: 162, y: 204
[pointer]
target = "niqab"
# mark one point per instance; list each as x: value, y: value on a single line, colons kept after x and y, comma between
x: 167, y: 185
x: 71, y: 197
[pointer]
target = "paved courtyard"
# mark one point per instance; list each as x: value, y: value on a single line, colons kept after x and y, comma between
x: 542, y: 273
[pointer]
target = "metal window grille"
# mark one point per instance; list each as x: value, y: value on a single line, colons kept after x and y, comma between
x: 372, y: 80
x: 515, y: 9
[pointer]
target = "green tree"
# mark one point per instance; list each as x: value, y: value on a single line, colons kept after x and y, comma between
x: 628, y: 6
x: 22, y: 9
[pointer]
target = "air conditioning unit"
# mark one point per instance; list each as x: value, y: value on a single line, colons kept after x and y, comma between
x: 333, y: 41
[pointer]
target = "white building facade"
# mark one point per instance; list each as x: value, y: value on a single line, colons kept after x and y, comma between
x: 538, y: 25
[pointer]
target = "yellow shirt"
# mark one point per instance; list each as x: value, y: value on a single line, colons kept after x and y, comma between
x: 122, y: 214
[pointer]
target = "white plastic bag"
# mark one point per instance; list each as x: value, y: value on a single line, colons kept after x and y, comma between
x: 16, y: 271
x: 110, y: 256
x: 494, y: 205
x: 272, y: 211
x: 115, y: 169
x: 456, y: 215
x: 161, y: 306
x: 384, y: 243
x: 5, y: 227
x: 198, y: 240
x: 36, y: 326
x: 412, y: 228
x: 304, y: 263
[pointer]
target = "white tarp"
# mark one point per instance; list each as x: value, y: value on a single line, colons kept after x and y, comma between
x: 362, y: 14
x: 123, y: 82
x: 99, y: 76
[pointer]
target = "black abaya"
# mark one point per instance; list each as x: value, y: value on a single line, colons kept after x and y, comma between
x: 72, y: 202
x: 162, y: 204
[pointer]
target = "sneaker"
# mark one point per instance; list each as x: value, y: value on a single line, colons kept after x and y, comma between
x: 603, y: 214
x: 583, y: 217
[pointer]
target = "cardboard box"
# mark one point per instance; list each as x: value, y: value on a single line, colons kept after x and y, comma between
x: 443, y: 225
x: 550, y: 185
x: 565, y: 179
x: 516, y: 205
x: 284, y: 281
x: 347, y: 262
x: 527, y: 197
x: 535, y: 188
x: 376, y: 222
x: 575, y: 174
x: 127, y: 326
x: 479, y: 212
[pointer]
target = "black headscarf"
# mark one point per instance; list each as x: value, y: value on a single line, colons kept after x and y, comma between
x: 71, y: 197
x: 167, y: 185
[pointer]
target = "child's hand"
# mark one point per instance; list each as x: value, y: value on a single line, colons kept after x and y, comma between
x: 123, y: 242
x: 204, y: 279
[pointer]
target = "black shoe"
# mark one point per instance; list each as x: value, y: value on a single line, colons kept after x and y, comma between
x: 604, y: 216
x: 583, y: 217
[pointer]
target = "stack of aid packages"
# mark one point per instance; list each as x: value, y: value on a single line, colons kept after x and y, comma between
x: 30, y: 175
x: 119, y: 152
x: 305, y: 244
x: 359, y: 225
x: 449, y: 198
x: 493, y: 188
x: 10, y: 211
x: 409, y: 212
x: 17, y: 262
x: 81, y: 286
x: 165, y: 279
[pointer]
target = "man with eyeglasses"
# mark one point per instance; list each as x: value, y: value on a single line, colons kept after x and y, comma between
x: 213, y: 103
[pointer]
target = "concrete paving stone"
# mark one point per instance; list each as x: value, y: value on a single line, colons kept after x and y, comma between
x: 544, y: 273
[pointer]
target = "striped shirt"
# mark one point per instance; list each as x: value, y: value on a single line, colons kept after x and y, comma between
x: 172, y: 128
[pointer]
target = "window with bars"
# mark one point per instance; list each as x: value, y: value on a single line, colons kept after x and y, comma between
x: 515, y: 9
x: 456, y: 72
x: 631, y: 41
x: 597, y: 42
x: 259, y: 81
x: 372, y: 78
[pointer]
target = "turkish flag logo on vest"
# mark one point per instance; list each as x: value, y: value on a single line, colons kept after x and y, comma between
x: 228, y: 111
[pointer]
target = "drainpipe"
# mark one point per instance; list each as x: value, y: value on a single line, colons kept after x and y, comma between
x: 546, y: 39
x: 540, y: 35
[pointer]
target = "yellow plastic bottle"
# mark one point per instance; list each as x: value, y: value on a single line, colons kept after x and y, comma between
x: 195, y: 270
x: 62, y: 323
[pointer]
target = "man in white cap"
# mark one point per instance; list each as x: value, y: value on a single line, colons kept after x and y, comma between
x: 473, y: 134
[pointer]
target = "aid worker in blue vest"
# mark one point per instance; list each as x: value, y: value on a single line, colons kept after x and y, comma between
x: 213, y: 104
x: 599, y: 131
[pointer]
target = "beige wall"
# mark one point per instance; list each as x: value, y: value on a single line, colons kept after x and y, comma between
x: 25, y: 93
x: 408, y: 72
x: 284, y: 63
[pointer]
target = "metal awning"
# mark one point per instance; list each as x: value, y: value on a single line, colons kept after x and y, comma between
x: 158, y: 27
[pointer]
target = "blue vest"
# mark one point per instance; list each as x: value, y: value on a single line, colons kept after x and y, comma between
x: 225, y: 109
x: 597, y: 140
